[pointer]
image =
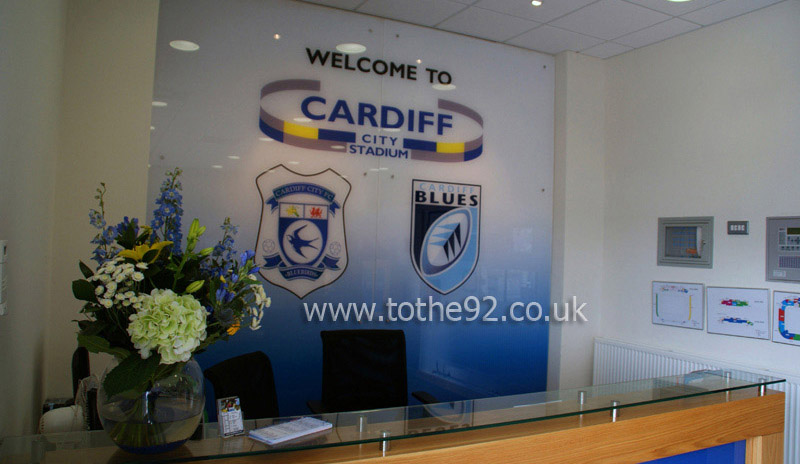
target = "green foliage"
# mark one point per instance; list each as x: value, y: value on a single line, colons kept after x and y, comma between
x: 132, y: 373
x: 84, y: 291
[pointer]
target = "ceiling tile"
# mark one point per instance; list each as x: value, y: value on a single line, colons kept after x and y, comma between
x: 609, y: 19
x: 345, y: 4
x: 553, y: 40
x: 674, y: 8
x: 657, y: 33
x: 725, y: 10
x: 606, y: 50
x: 549, y: 11
x: 424, y: 12
x: 487, y: 24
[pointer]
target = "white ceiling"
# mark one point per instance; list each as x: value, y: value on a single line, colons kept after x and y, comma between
x: 601, y: 28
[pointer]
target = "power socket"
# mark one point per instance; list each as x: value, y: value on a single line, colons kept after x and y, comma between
x: 3, y: 276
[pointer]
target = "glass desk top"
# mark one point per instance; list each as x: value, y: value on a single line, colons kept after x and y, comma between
x: 362, y: 427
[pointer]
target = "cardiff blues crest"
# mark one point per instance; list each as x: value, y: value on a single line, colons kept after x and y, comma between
x: 301, y: 242
x: 445, y: 232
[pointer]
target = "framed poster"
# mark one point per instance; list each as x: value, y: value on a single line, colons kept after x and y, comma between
x: 742, y: 312
x: 678, y: 304
x: 786, y: 317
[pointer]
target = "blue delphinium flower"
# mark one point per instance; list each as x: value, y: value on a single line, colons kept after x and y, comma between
x: 223, y: 259
x: 246, y: 255
x: 96, y: 219
x: 126, y: 223
x: 223, y: 295
x: 106, y: 249
x: 167, y: 217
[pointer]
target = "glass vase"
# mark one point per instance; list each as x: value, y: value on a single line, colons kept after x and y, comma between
x: 159, y: 419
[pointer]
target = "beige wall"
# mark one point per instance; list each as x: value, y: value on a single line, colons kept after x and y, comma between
x: 77, y: 80
x: 578, y: 197
x: 31, y: 56
x: 109, y: 57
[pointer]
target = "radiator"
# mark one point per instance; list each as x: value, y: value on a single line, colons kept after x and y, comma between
x: 616, y: 361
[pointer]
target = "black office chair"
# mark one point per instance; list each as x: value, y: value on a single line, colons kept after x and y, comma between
x: 364, y: 369
x: 248, y: 376
x: 80, y: 368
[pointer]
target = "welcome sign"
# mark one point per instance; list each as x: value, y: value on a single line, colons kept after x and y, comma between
x: 422, y: 126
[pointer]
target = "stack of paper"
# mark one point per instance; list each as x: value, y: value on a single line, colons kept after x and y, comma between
x: 280, y: 433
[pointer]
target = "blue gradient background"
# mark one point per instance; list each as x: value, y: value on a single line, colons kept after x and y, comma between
x: 212, y: 112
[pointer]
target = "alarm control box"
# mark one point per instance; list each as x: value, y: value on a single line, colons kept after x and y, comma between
x: 783, y: 249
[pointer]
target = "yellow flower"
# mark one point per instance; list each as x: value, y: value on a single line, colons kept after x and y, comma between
x: 234, y: 328
x: 138, y: 252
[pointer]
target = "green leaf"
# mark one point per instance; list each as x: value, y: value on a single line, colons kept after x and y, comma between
x: 143, y: 236
x: 89, y: 328
x: 83, y: 290
x: 85, y: 270
x: 132, y: 373
x: 150, y: 256
x: 97, y: 344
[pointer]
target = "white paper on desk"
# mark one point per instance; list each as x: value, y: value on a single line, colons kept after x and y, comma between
x: 286, y: 431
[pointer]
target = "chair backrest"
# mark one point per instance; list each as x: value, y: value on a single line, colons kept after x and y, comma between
x: 248, y: 376
x: 363, y: 369
x: 80, y: 368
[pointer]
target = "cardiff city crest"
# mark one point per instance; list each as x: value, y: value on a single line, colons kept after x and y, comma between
x: 445, y: 232
x: 301, y: 243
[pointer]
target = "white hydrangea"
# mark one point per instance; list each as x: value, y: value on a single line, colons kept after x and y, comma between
x: 171, y: 324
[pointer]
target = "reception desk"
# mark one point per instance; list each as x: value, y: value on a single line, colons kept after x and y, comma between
x: 628, y: 422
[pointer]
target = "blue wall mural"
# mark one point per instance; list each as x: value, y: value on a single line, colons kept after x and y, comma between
x: 466, y: 122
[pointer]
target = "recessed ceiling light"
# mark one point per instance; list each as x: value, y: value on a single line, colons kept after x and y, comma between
x: 216, y: 166
x: 277, y: 37
x: 374, y: 169
x: 337, y: 147
x: 536, y: 2
x: 159, y: 104
x: 383, y: 169
x: 152, y: 127
x: 351, y: 48
x: 444, y: 86
x: 233, y: 157
x: 184, y: 45
x: 419, y: 61
x: 265, y: 139
x: 302, y: 119
x: 294, y: 162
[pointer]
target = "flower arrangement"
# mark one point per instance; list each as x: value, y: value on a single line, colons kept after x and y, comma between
x: 153, y: 302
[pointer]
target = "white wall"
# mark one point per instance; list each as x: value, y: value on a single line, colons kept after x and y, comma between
x: 708, y: 124
x: 578, y: 196
x: 31, y: 56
